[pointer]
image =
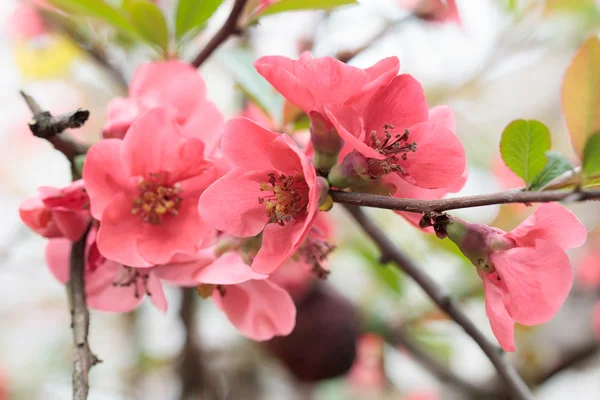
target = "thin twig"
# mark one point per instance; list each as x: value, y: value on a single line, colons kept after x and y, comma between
x: 389, y: 252
x: 428, y: 206
x: 230, y: 27
x: 83, y: 358
x: 45, y: 126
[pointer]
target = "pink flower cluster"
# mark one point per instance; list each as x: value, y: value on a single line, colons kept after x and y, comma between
x: 174, y: 194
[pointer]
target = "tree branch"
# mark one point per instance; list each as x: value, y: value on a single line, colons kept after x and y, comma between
x: 229, y: 28
x: 429, y: 206
x: 389, y: 252
x: 46, y: 126
x: 83, y: 358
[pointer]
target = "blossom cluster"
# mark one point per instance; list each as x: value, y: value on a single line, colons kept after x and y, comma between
x: 173, y: 193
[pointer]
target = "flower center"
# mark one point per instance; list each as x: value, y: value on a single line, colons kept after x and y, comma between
x: 157, y: 200
x: 394, y: 146
x: 133, y: 276
x: 288, y: 197
x: 315, y: 251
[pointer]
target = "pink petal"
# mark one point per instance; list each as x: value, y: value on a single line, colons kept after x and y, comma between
x: 551, y: 222
x: 278, y: 244
x: 181, y: 271
x: 377, y: 76
x: 156, y: 293
x: 104, y: 175
x: 119, y: 232
x: 181, y: 233
x: 205, y: 123
x: 349, y: 127
x: 401, y: 104
x: 281, y: 72
x: 246, y: 144
x: 330, y: 80
x: 596, y: 320
x: 111, y: 298
x: 538, y: 281
x: 500, y: 321
x: 588, y: 273
x: 120, y: 114
x: 173, y: 83
x: 286, y: 156
x: 229, y: 269
x: 439, y: 159
x: 444, y: 116
x: 71, y: 224
x: 58, y: 255
x: 258, y: 309
x: 39, y: 218
x: 231, y: 203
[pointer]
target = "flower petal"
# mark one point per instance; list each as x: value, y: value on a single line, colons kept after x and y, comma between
x: 58, y: 254
x: 440, y: 157
x: 229, y: 269
x: 119, y: 231
x: 246, y: 144
x: 206, y: 124
x: 278, y: 244
x: 444, y: 116
x: 39, y: 218
x: 120, y: 114
x: 500, y: 321
x: 71, y: 224
x: 156, y: 292
x: 231, y: 203
x: 401, y: 104
x: 259, y: 309
x: 103, y: 295
x: 349, y: 127
x: 104, y: 175
x: 377, y: 76
x: 538, y: 280
x: 551, y: 222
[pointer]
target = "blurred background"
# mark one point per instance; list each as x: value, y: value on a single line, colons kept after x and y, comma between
x: 505, y: 60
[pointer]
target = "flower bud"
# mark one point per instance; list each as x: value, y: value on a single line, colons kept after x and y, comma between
x: 325, y: 141
x: 351, y: 172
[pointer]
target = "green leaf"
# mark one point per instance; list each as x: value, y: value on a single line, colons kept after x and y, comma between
x: 386, y: 275
x: 557, y: 165
x: 297, y: 5
x: 523, y: 148
x: 96, y: 9
x: 239, y: 63
x: 149, y: 22
x: 192, y: 14
x: 591, y: 156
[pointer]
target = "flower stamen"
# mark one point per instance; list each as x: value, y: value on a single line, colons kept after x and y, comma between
x: 288, y: 197
x: 132, y: 276
x: 157, y: 199
x: 395, y: 147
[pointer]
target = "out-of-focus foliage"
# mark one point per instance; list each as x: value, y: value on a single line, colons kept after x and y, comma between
x: 191, y: 15
x: 149, y: 22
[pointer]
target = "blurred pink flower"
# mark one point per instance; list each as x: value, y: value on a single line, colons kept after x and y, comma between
x: 433, y: 10
x: 596, y: 320
x: 508, y: 178
x: 145, y: 188
x: 58, y: 213
x: 397, y: 137
x: 367, y: 375
x: 588, y: 273
x: 25, y: 22
x: 272, y: 188
x: 421, y: 395
x: 169, y: 83
x: 526, y: 273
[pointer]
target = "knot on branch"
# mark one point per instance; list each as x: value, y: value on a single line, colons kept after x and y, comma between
x: 437, y: 220
x: 44, y: 125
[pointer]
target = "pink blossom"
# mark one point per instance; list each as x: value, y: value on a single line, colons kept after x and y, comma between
x: 25, y: 22
x: 145, y: 188
x: 58, y: 212
x: 588, y: 273
x: 367, y: 375
x: 421, y: 395
x: 272, y: 188
x: 109, y: 286
x: 169, y: 83
x: 433, y: 10
x: 596, y: 320
x: 526, y: 273
x: 397, y: 136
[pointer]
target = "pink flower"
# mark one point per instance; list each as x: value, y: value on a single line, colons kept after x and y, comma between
x: 421, y: 395
x: 255, y: 305
x: 433, y: 10
x: 526, y: 273
x: 397, y: 136
x: 272, y: 188
x: 145, y: 188
x: 25, y: 22
x: 58, y: 212
x: 169, y: 83
x: 596, y: 320
x: 367, y: 375
x: 310, y: 83
x: 588, y: 273
x: 109, y: 286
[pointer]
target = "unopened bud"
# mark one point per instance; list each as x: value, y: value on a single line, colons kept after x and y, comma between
x: 351, y: 172
x: 325, y: 141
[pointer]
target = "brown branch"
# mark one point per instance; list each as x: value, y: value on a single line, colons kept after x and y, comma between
x: 429, y: 206
x: 83, y: 358
x: 389, y: 252
x: 230, y: 27
x: 46, y: 126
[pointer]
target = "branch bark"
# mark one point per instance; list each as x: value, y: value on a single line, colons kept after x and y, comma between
x: 230, y: 27
x: 429, y: 206
x: 389, y: 252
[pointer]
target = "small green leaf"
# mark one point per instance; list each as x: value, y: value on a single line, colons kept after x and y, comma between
x: 523, y: 148
x: 96, y: 9
x: 149, y: 22
x: 239, y: 63
x: 297, y: 5
x: 557, y: 165
x: 591, y: 156
x: 386, y: 275
x: 192, y: 14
